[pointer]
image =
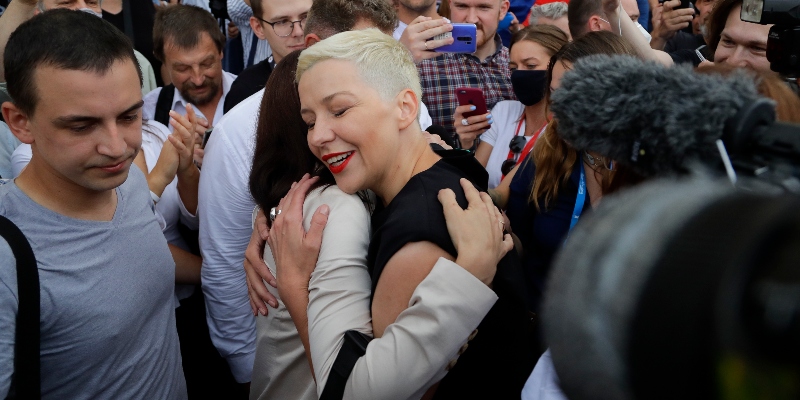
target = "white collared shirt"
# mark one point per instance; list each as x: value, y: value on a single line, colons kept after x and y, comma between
x: 179, y: 103
x: 401, y: 27
x: 225, y: 208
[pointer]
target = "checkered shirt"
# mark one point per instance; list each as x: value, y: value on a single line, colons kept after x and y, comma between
x: 440, y: 77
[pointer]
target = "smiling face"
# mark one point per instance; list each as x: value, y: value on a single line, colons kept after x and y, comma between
x: 196, y: 72
x: 743, y: 44
x: 351, y: 127
x: 87, y: 126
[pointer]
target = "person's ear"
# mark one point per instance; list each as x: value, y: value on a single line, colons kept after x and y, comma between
x: 595, y: 24
x: 409, y: 108
x: 17, y: 122
x: 312, y: 39
x: 505, y: 5
x: 258, y: 29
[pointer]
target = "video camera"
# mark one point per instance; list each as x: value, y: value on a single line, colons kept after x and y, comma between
x: 681, y: 287
x: 783, y: 45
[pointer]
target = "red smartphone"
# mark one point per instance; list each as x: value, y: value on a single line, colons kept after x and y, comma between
x: 472, y: 96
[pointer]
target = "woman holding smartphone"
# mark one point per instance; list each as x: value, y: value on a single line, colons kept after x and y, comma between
x: 518, y: 123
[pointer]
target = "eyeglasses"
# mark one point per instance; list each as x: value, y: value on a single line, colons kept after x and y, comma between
x: 516, y: 146
x: 284, y: 28
x: 597, y: 162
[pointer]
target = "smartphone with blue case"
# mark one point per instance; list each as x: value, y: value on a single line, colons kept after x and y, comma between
x: 464, y: 36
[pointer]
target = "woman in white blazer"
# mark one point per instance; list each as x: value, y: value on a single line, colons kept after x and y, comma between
x: 448, y: 306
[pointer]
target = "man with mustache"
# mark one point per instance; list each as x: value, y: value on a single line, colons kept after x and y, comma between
x: 189, y: 42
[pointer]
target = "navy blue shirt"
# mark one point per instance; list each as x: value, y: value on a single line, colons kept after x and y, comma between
x: 543, y: 231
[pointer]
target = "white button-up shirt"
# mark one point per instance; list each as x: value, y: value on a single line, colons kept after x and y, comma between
x: 179, y: 103
x: 225, y: 209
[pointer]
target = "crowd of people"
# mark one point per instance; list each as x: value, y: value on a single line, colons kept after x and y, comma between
x: 282, y: 199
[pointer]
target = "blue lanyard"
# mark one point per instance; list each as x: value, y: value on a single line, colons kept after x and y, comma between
x: 576, y: 213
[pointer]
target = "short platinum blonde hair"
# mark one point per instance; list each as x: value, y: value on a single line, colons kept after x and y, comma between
x: 552, y: 11
x: 382, y: 62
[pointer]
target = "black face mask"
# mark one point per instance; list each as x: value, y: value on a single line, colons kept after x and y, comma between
x: 529, y: 86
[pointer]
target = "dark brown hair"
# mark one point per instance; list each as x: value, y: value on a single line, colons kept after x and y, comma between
x: 258, y: 9
x: 548, y: 36
x: 64, y: 39
x: 579, y: 12
x: 183, y: 26
x: 281, y: 155
x: 329, y: 17
x: 716, y: 21
x: 554, y: 158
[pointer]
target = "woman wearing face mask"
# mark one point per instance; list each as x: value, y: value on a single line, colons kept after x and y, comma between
x: 542, y: 196
x: 517, y: 124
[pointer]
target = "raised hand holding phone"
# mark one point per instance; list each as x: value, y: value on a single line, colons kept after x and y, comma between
x: 471, y: 118
x: 420, y: 37
x: 464, y: 39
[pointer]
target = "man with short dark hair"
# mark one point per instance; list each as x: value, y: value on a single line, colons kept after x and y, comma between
x: 281, y: 24
x: 106, y: 275
x: 189, y: 42
x: 613, y: 16
x: 735, y: 42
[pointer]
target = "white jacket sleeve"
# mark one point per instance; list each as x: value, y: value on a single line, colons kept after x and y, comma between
x: 414, y: 351
x: 417, y: 348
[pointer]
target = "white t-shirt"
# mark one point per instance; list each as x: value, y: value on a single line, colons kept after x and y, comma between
x: 506, y: 116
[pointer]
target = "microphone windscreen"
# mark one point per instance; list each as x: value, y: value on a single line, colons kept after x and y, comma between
x: 655, y: 119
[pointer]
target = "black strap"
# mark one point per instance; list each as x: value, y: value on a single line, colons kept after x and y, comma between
x: 164, y: 104
x: 353, y: 348
x: 26, y: 380
x: 253, y: 47
x: 127, y: 20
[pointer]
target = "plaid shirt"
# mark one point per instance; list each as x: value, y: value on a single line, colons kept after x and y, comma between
x: 440, y: 77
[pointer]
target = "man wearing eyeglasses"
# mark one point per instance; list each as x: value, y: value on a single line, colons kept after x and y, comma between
x: 281, y: 24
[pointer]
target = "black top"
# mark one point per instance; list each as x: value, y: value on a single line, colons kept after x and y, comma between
x: 683, y: 40
x: 500, y: 358
x: 542, y: 231
x: 142, y: 15
x: 247, y: 83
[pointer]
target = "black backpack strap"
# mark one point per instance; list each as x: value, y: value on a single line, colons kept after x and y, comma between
x: 353, y: 348
x: 164, y: 104
x: 26, y: 380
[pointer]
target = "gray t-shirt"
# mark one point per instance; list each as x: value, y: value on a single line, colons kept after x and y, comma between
x: 107, y: 313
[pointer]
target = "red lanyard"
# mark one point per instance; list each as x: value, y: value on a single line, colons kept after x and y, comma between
x: 529, y: 145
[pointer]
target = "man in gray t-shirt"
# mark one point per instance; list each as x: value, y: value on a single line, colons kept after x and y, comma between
x: 105, y: 272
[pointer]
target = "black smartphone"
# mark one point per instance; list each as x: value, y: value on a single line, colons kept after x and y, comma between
x: 206, y: 135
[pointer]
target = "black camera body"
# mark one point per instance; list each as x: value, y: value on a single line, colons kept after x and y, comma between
x: 783, y: 44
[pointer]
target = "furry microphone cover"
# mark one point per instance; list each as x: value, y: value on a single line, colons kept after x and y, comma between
x: 654, y: 119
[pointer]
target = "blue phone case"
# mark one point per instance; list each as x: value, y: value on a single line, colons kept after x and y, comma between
x: 465, y: 39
